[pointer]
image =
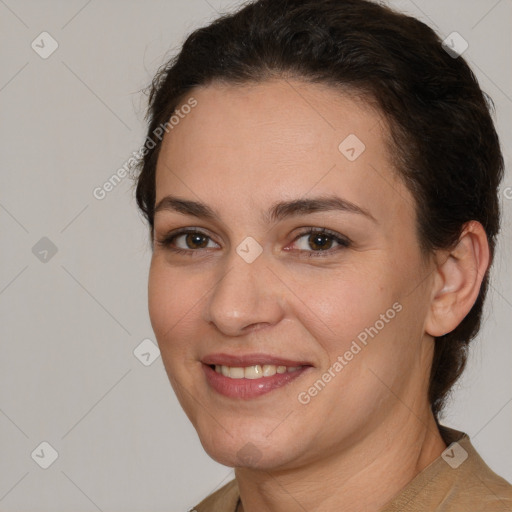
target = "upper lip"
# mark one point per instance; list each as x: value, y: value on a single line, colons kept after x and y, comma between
x: 251, y: 360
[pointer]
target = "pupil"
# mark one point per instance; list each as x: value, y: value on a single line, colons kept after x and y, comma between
x: 196, y: 239
x: 320, y: 237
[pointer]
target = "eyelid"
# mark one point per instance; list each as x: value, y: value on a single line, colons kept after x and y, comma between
x: 343, y: 241
x: 165, y: 240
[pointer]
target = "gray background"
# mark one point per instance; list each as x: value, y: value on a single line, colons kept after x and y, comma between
x: 71, y: 322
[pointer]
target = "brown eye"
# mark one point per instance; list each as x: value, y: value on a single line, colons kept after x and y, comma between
x: 195, y: 240
x: 185, y: 241
x: 320, y: 241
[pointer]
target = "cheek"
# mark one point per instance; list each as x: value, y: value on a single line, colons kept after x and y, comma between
x: 173, y: 317
x: 362, y: 324
x: 344, y: 304
x: 172, y: 304
x: 160, y: 299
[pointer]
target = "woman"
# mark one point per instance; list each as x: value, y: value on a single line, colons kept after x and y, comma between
x: 320, y: 181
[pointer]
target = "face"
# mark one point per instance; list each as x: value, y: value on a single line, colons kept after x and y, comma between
x: 287, y: 290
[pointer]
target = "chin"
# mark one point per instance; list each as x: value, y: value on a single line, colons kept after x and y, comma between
x: 251, y: 448
x: 250, y: 456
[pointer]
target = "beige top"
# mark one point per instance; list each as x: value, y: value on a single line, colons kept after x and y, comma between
x: 457, y: 481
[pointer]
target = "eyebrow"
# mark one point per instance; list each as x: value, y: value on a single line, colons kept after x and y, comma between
x: 277, y: 212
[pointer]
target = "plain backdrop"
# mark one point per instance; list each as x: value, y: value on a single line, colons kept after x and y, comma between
x: 73, y: 275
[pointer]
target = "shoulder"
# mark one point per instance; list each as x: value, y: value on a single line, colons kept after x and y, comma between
x: 484, y: 489
x: 458, y: 480
x: 223, y: 500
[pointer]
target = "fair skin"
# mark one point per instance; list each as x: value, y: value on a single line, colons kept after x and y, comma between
x: 370, y: 430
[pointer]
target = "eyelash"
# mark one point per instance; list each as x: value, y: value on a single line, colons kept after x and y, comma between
x: 342, y: 241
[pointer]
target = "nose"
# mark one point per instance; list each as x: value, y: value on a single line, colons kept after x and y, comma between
x: 247, y: 296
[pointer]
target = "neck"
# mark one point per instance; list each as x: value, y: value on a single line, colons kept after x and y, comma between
x: 363, y: 478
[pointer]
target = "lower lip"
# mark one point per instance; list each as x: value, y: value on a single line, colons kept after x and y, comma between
x: 249, y: 388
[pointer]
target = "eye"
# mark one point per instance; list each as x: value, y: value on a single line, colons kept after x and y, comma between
x: 318, y: 239
x: 321, y: 241
x: 192, y: 239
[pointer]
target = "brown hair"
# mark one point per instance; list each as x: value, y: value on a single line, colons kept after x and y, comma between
x: 444, y: 141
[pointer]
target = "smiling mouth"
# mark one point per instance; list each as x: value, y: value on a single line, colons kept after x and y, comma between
x: 248, y: 382
x: 253, y: 372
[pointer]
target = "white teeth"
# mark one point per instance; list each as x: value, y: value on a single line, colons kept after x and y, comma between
x: 236, y: 372
x: 269, y: 370
x: 253, y: 372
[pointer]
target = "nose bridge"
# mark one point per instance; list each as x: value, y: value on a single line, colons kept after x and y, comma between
x: 246, y: 292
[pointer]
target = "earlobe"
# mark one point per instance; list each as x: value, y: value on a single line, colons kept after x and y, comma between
x: 458, y: 277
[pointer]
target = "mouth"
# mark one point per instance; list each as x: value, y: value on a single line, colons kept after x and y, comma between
x: 256, y: 371
x: 247, y: 377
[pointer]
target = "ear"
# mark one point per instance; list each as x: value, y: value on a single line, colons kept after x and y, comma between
x: 458, y: 276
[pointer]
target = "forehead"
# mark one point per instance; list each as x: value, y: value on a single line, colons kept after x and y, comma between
x: 277, y: 140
